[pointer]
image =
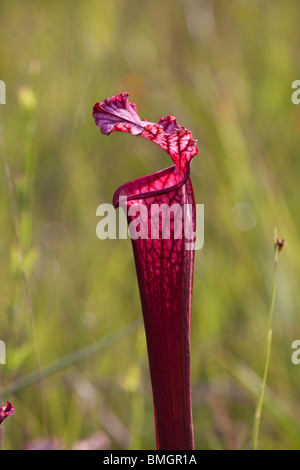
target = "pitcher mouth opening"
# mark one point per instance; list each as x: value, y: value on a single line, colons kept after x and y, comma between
x: 124, y: 194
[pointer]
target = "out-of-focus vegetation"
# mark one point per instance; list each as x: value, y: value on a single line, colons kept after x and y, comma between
x: 224, y: 69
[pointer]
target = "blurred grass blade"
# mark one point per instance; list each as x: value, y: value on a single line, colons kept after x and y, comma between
x: 29, y: 304
x: 70, y: 359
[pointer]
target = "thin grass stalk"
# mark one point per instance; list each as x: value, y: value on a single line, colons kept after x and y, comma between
x: 278, y: 246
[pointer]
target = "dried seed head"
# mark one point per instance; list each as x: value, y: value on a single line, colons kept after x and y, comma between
x: 279, y: 245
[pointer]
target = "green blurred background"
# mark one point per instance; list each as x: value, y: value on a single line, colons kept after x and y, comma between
x: 224, y: 69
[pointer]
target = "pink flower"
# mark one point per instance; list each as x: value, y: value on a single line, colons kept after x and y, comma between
x: 6, y: 411
x: 164, y: 264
